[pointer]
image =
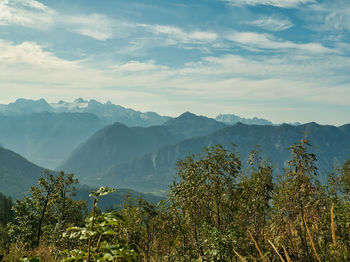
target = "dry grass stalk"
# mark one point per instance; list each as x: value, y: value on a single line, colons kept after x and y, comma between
x: 274, y: 248
x: 311, y: 240
x: 287, y: 255
x: 332, y: 225
x: 257, y: 247
x: 239, y: 256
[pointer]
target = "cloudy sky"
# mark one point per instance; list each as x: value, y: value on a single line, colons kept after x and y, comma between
x: 283, y: 60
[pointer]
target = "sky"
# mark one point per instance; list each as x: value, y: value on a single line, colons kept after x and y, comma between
x: 282, y: 60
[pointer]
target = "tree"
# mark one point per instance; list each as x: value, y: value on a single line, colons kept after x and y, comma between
x: 256, y: 192
x: 6, y: 213
x: 49, y: 206
x: 206, y: 197
x: 297, y: 201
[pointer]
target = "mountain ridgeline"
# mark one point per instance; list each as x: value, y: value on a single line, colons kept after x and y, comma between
x: 108, y: 113
x: 106, y: 144
x: 47, y: 133
x: 117, y: 143
x: 187, y: 134
x: 17, y: 174
x: 232, y: 119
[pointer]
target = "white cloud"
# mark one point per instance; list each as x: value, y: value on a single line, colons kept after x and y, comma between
x: 32, y: 54
x: 212, y: 81
x: 272, y: 23
x: 330, y: 17
x: 97, y: 26
x: 27, y: 13
x: 33, y: 14
x: 32, y: 3
x: 277, y: 3
x: 177, y: 35
x: 136, y: 66
x: 256, y: 41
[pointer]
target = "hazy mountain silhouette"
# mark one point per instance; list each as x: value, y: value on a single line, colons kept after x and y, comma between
x: 114, y: 144
x: 118, y: 143
x: 107, y: 112
x: 17, y: 174
x: 157, y: 169
x: 190, y: 125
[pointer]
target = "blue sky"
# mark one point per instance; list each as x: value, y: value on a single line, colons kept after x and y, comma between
x: 284, y: 60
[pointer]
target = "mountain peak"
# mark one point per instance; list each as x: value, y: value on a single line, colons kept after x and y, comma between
x: 80, y: 100
x: 184, y: 118
x: 190, y: 125
x: 232, y: 119
x: 30, y: 101
x: 188, y: 114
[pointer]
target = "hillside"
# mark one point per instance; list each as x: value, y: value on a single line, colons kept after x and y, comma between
x: 157, y: 169
x: 118, y: 143
x: 17, y: 174
x: 115, y: 144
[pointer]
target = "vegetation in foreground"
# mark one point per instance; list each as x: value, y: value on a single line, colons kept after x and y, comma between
x: 217, y: 211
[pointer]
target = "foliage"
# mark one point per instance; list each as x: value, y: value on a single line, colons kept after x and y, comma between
x: 6, y: 213
x: 220, y: 209
x: 47, y: 212
x: 99, y: 231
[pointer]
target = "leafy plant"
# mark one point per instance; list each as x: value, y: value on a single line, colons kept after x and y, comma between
x: 100, y: 231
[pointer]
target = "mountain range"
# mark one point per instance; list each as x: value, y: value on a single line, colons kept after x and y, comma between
x: 108, y: 113
x: 232, y: 119
x: 118, y: 143
x: 141, y: 150
x: 46, y: 133
x: 156, y: 169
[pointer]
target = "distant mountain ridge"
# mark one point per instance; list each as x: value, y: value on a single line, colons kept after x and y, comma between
x: 117, y: 143
x: 232, y: 119
x: 190, y: 125
x: 25, y: 106
x: 113, y: 144
x: 157, y: 169
x: 107, y: 112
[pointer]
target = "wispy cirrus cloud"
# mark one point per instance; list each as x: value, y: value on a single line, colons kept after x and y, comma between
x: 97, y: 26
x: 137, y: 66
x: 271, y: 23
x: 277, y: 3
x: 332, y: 18
x: 34, y: 14
x: 177, y: 35
x: 26, y: 13
x: 257, y: 42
